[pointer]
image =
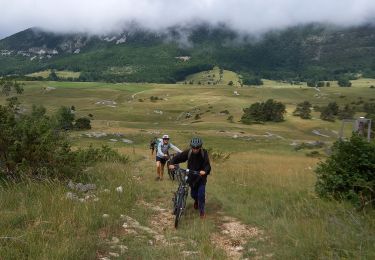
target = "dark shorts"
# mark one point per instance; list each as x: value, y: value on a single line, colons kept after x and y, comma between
x: 161, y: 160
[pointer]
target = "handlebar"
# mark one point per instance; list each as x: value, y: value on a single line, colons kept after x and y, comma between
x: 170, y: 156
x: 183, y: 174
x: 187, y: 171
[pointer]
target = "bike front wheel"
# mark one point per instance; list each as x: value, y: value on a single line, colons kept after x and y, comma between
x: 179, y: 209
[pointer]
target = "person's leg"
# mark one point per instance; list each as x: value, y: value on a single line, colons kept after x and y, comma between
x: 158, y: 169
x: 201, y: 199
x: 162, y: 170
x: 194, y: 193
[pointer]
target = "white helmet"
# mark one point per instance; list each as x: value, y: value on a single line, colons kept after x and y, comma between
x: 165, y: 136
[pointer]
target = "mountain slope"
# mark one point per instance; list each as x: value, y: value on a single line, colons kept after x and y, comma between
x: 299, y: 53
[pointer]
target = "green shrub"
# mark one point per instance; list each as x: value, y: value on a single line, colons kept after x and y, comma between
x: 82, y: 123
x: 310, y: 145
x: 346, y: 113
x: 329, y: 112
x: 332, y: 106
x: 311, y: 83
x: 264, y: 111
x: 53, y: 76
x: 216, y: 155
x: 369, y: 108
x: 8, y: 85
x: 303, y: 110
x: 252, y: 80
x: 344, y: 82
x: 92, y: 155
x: 349, y: 172
x: 155, y: 98
x: 225, y: 112
x: 32, y: 147
x: 314, y: 154
x: 64, y: 118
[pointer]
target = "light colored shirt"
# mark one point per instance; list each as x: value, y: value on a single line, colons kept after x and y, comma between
x: 164, y: 148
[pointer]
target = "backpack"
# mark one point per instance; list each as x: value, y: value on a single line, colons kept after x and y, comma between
x: 153, y: 143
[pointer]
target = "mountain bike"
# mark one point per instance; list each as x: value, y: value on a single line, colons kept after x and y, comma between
x: 179, y: 200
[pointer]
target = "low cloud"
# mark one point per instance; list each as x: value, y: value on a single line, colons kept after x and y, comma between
x: 247, y: 16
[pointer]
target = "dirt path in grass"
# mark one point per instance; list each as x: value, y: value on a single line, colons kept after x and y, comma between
x: 133, y: 96
x: 230, y: 234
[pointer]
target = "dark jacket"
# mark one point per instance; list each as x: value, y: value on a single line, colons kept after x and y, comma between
x: 197, y: 162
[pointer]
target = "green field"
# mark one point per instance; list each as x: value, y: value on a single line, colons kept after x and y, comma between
x: 60, y: 73
x: 215, y: 77
x: 260, y: 202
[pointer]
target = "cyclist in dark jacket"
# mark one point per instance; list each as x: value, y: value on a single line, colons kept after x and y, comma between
x: 197, y: 160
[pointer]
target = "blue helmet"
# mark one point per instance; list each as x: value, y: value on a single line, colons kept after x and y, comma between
x: 196, y: 142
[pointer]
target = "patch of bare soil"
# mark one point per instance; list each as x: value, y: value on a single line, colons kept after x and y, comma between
x: 162, y: 220
x: 234, y: 235
x: 132, y: 226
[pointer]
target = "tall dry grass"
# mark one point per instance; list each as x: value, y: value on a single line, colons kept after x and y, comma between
x: 276, y: 193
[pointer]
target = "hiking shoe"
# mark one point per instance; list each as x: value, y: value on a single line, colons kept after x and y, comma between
x: 202, y: 215
x: 196, y: 205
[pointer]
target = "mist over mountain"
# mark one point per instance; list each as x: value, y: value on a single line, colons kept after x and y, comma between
x: 244, y: 16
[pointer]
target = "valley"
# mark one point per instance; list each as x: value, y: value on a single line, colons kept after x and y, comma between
x: 261, y: 202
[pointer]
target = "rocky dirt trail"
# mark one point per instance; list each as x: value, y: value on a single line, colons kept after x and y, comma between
x: 231, y: 236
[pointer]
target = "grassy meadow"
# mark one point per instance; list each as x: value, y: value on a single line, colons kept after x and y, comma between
x: 214, y: 77
x: 265, y: 184
x: 60, y: 73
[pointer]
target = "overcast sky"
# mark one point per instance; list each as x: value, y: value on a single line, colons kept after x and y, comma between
x: 251, y: 16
